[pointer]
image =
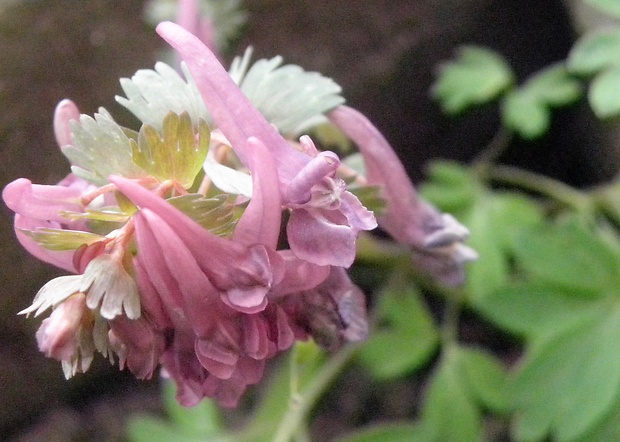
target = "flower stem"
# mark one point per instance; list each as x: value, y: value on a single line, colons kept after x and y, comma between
x: 543, y: 185
x: 303, y: 402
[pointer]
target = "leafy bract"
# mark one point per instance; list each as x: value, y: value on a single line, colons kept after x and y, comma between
x: 527, y: 110
x: 61, y: 239
x: 152, y: 94
x: 406, y: 336
x: 215, y: 214
x: 289, y: 97
x: 177, y: 152
x: 101, y: 148
x: 477, y: 76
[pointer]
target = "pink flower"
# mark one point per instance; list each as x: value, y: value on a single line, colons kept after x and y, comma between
x: 329, y: 230
x: 436, y: 238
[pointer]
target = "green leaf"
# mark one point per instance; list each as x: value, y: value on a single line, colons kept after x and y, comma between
x: 187, y: 424
x: 203, y: 420
x: 553, y: 86
x: 525, y: 114
x: 101, y: 148
x: 606, y: 430
x: 485, y: 377
x: 604, y: 93
x: 527, y: 109
x: 611, y: 7
x: 178, y: 153
x: 450, y: 413
x: 151, y: 429
x: 450, y: 187
x: 568, y: 255
x: 407, y: 336
x: 216, y: 214
x: 392, y: 432
x: 289, y: 381
x: 60, y: 239
x: 595, y: 51
x: 534, y: 309
x: 570, y: 381
x: 477, y: 76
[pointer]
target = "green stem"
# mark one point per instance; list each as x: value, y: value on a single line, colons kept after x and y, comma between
x: 543, y: 185
x: 450, y: 324
x: 491, y: 153
x: 304, y: 402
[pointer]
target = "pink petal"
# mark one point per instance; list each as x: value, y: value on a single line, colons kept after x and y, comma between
x: 232, y: 112
x: 228, y: 264
x: 39, y: 201
x: 260, y: 223
x: 62, y: 259
x: 319, y: 240
x: 66, y: 111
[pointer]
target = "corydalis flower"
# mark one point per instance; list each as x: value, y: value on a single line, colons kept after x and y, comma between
x: 334, y: 227
x: 436, y: 238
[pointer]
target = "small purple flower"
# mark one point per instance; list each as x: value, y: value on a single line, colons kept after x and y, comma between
x: 436, y: 238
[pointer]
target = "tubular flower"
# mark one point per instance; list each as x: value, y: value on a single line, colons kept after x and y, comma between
x: 334, y: 225
x: 435, y: 238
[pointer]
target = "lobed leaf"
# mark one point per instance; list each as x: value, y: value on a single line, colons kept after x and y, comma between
x: 477, y: 76
x: 406, y: 337
x: 604, y: 93
x: 450, y: 412
x: 611, y: 7
x: 570, y: 256
x: 392, y: 432
x: 594, y: 52
x: 525, y: 115
x: 570, y: 381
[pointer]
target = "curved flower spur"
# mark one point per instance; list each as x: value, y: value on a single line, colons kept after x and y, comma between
x: 175, y: 235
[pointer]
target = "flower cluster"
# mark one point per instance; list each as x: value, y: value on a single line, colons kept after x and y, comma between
x: 214, y: 237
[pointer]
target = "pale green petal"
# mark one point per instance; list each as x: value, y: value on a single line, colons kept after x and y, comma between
x: 101, y: 148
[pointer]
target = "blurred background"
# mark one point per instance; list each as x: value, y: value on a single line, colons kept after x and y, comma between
x: 384, y: 54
